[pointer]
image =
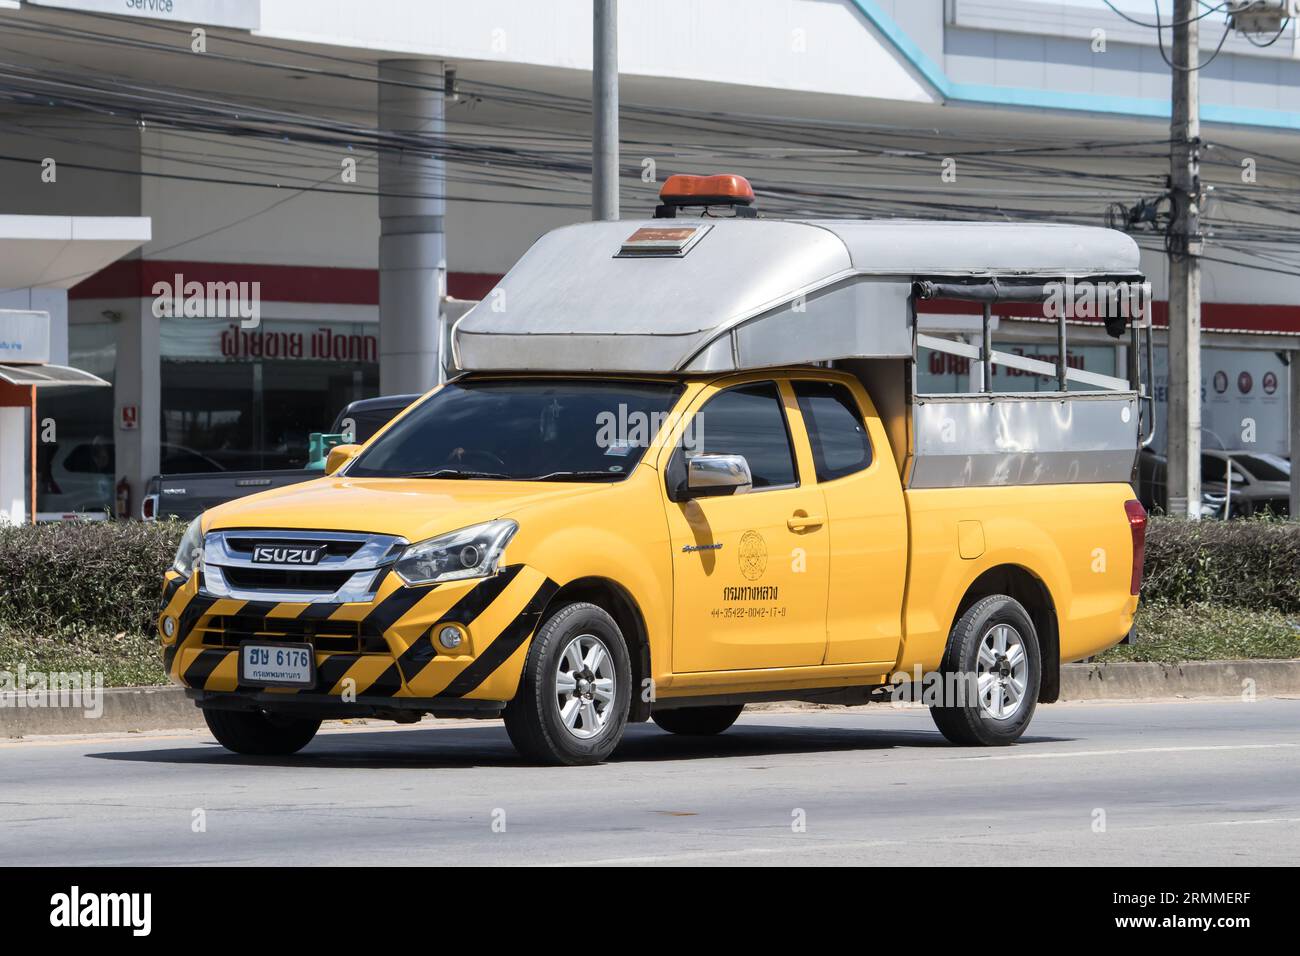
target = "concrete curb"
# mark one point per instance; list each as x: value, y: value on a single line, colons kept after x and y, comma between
x: 132, y: 709
x: 1134, y: 681
x: 120, y: 710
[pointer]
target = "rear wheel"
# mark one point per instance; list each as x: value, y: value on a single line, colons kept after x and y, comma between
x: 575, y: 693
x: 257, y: 733
x: 697, y: 721
x: 992, y: 670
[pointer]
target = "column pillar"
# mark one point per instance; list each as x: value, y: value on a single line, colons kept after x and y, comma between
x: 137, y: 380
x: 412, y: 244
x: 1293, y: 430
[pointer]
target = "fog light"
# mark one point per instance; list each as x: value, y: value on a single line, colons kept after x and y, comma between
x: 450, y: 637
x: 169, y: 626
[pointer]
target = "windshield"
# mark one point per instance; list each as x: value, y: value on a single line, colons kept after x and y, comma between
x: 523, y: 429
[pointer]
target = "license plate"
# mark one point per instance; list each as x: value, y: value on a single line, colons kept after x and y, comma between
x: 277, y: 665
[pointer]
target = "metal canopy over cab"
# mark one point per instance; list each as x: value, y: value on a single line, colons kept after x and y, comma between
x: 712, y: 295
x: 696, y: 295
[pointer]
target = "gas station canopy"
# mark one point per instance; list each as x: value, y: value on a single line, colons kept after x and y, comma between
x: 47, y: 376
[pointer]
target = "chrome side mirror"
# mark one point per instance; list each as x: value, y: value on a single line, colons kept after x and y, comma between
x: 713, y: 475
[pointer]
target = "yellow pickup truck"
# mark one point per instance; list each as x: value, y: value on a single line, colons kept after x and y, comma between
x: 687, y: 469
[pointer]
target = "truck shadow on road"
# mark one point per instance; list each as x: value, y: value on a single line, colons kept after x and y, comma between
x: 466, y: 747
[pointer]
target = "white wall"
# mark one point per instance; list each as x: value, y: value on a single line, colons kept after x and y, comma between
x: 14, y: 443
x: 817, y: 45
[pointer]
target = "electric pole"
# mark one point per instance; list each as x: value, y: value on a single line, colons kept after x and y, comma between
x: 604, y: 110
x: 1183, y: 474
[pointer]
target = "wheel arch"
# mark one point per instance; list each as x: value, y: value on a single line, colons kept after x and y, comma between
x: 1020, y: 583
x: 618, y: 603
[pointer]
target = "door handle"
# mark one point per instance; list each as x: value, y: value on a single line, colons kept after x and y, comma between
x: 800, y: 521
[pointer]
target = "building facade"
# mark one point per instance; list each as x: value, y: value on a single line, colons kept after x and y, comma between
x: 323, y: 178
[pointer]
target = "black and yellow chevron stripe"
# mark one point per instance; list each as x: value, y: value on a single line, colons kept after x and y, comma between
x: 500, y: 613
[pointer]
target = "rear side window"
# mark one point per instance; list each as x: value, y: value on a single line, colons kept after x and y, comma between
x: 836, y: 431
x: 749, y: 420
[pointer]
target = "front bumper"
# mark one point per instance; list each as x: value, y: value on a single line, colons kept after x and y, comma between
x: 370, y: 654
x: 328, y: 706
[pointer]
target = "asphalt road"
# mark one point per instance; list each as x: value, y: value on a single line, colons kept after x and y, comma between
x: 1186, y: 782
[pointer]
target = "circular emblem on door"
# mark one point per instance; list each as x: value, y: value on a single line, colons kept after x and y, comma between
x: 753, y: 555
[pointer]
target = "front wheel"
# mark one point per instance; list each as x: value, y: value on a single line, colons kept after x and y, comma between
x: 697, y: 721
x: 575, y: 693
x: 260, y: 734
x: 992, y: 669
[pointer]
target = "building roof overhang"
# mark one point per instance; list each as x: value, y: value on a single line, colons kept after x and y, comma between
x: 57, y: 252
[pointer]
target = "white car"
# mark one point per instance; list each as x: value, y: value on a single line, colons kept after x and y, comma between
x: 80, y: 476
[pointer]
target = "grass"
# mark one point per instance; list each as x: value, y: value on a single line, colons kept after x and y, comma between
x: 1209, y: 632
x: 125, y: 660
x: 1166, y: 633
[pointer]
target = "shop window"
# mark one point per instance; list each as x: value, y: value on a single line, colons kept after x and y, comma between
x: 244, y: 400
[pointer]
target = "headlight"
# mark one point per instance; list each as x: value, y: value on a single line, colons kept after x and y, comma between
x: 190, y: 553
x: 472, y: 552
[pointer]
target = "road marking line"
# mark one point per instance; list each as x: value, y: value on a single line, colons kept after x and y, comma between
x: 709, y: 854
x: 968, y: 839
x: 1115, y: 753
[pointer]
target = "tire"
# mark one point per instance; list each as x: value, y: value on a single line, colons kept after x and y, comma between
x: 697, y: 721
x: 558, y: 715
x: 997, y: 715
x: 256, y: 733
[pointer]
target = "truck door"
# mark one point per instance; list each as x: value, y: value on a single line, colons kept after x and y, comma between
x: 749, y: 570
x: 867, y: 519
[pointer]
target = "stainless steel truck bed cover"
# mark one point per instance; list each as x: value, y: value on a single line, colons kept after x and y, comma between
x: 706, y: 295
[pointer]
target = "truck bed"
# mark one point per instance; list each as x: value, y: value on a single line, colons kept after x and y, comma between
x: 1075, y: 538
x: 186, y: 496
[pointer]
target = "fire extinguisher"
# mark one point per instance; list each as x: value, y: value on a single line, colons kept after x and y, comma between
x: 124, y: 498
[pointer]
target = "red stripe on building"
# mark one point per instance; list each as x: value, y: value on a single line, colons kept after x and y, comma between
x: 135, y: 278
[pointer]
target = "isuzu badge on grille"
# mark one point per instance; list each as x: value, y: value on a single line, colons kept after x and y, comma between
x: 282, y: 554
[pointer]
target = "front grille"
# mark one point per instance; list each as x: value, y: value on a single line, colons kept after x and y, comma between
x: 298, y: 579
x: 348, y: 568
x: 244, y: 545
x: 356, y: 637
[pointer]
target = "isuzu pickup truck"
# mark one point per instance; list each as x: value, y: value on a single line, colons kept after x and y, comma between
x: 687, y: 468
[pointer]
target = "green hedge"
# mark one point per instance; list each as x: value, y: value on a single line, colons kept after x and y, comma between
x: 105, y: 577
x: 84, y: 577
x: 1252, y: 564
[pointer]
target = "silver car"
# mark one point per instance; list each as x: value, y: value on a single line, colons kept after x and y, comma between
x: 1258, y: 482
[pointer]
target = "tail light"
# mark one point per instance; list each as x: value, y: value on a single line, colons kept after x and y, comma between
x: 1137, y: 525
x: 149, y: 503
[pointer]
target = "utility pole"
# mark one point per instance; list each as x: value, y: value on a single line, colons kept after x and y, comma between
x: 1184, y: 245
x: 604, y: 110
x: 1293, y: 375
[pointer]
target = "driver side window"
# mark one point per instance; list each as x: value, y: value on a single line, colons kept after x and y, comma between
x: 748, y: 420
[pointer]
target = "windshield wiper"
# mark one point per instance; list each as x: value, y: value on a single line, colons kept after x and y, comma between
x: 576, y: 475
x: 456, y: 473
x: 549, y: 476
